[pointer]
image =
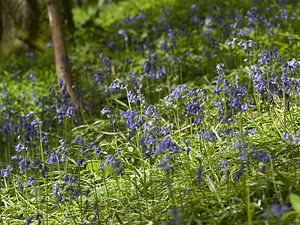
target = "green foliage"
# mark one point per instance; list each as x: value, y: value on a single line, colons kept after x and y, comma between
x: 295, y: 200
x: 160, y: 136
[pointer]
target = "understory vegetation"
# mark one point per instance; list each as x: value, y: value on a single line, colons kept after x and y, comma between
x: 189, y: 114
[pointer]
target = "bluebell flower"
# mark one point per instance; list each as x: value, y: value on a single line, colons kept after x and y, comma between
x: 79, y: 162
x: 160, y: 73
x: 176, y: 217
x: 242, y: 155
x: 278, y: 210
x: 72, y: 179
x: 286, y: 137
x: 29, y: 220
x: 4, y: 173
x: 62, y: 158
x: 261, y: 156
x: 195, y: 19
x: 32, y: 77
x: 105, y: 60
x: 39, y: 216
x: 187, y: 147
x: 164, y: 45
x: 151, y: 112
x: 110, y: 158
x: 251, y: 17
x: 132, y: 97
x: 293, y: 64
x: 166, y: 145
x: 44, y: 139
x: 29, y: 54
x: 31, y: 180
x: 224, y: 165
x: 98, y: 151
x: 244, y: 107
x: 122, y: 32
x: 194, y: 6
x: 44, y: 170
x: 199, y: 175
x: 295, y: 140
x: 116, y: 85
x: 115, y: 164
x: 209, y: 136
x: 283, y: 14
x: 238, y: 175
x: 193, y: 108
x: 58, y: 198
x: 120, y: 170
x: 24, y: 164
x: 106, y: 112
x: 231, y: 43
x: 70, y: 112
x: 164, y: 164
x: 164, y: 130
x: 220, y: 69
x: 15, y: 158
x: 147, y: 68
x: 208, y: 21
x: 52, y: 159
x: 56, y: 189
x: 19, y: 148
x: 132, y: 118
x: 49, y: 44
x: 62, y: 146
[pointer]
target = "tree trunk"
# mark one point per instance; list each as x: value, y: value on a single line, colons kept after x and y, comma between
x: 61, y: 57
x: 20, y: 23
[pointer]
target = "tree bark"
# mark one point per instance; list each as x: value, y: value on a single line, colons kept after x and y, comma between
x: 20, y: 23
x: 62, y: 65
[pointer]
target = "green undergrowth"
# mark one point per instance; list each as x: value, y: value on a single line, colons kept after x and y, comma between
x: 202, y: 130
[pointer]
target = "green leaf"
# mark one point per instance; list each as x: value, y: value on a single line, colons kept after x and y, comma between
x: 295, y: 200
x: 93, y: 165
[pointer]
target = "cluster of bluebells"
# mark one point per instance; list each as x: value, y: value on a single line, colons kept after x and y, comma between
x: 62, y: 106
x: 190, y: 102
x: 91, y: 150
x: 134, y: 19
x: 56, y: 108
x: 270, y: 77
x: 267, y: 17
x: 291, y: 139
x: 155, y: 140
x: 175, y: 217
x: 152, y: 69
x: 246, y: 153
x: 282, y: 81
x: 132, y: 120
x: 113, y: 162
x: 231, y: 96
x: 18, y: 127
x: 262, y: 156
x: 101, y: 75
x: 86, y: 150
x: 276, y: 210
x: 246, y: 45
x: 59, y: 155
x: 69, y: 189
